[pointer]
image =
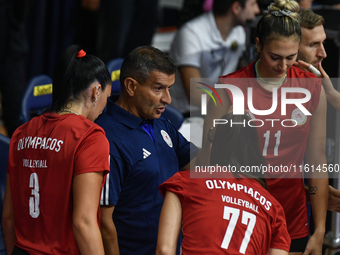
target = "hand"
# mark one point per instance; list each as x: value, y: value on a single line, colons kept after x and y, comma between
x: 302, y: 65
x: 326, y: 81
x: 333, y: 199
x: 91, y: 5
x: 323, y: 72
x: 314, y: 245
x: 305, y: 66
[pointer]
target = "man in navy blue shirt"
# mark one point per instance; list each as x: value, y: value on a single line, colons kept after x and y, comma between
x: 145, y: 150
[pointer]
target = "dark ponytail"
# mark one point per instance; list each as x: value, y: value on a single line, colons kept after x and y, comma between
x: 73, y: 75
x: 238, y: 145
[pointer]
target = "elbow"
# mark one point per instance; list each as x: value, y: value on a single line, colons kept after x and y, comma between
x: 78, y: 226
x: 164, y: 250
x: 7, y: 223
x: 82, y: 225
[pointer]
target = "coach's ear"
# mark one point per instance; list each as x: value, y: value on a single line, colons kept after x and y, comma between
x: 130, y: 85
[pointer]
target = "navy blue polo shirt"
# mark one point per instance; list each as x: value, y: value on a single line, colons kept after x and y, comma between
x: 139, y: 164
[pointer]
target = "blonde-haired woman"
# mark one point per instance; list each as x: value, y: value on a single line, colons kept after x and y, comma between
x: 286, y: 133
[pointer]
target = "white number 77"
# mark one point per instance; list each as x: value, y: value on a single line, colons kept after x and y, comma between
x: 232, y: 215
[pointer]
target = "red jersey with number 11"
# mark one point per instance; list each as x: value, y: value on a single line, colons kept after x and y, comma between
x: 282, y: 142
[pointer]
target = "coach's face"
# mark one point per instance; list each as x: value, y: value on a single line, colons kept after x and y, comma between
x: 153, y: 96
x: 311, y: 49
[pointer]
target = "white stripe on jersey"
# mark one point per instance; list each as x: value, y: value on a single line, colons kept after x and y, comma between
x: 104, y: 199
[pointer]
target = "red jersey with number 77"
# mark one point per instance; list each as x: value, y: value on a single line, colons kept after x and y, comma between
x: 283, y: 137
x: 45, y: 155
x: 227, y: 215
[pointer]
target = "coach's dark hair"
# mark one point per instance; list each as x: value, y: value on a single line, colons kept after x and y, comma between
x: 142, y: 61
x: 221, y: 7
x: 272, y: 26
x: 238, y: 145
x: 73, y: 75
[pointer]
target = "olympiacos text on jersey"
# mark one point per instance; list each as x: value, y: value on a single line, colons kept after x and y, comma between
x: 45, y: 154
x: 228, y: 216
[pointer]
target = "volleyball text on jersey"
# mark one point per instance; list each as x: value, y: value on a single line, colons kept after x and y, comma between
x: 37, y: 142
x: 219, y: 184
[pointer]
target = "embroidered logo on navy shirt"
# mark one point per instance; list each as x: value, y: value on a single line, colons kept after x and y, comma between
x: 146, y: 153
x: 166, y: 138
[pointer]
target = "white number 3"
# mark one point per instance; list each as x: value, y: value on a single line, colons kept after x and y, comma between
x: 232, y: 215
x: 34, y: 201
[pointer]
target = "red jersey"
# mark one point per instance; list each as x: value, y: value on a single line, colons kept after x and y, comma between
x: 283, y: 138
x: 45, y: 154
x: 228, y: 215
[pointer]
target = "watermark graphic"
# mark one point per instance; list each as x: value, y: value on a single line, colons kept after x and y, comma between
x: 204, y: 97
x: 281, y: 116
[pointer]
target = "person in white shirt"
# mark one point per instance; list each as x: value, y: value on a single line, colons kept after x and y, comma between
x: 209, y: 46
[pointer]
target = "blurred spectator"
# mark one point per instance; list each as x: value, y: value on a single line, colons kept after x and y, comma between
x: 209, y: 46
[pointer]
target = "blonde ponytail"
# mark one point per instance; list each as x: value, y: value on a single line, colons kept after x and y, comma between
x: 281, y: 19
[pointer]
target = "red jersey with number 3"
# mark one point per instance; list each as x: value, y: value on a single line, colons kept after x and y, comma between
x: 283, y: 138
x: 45, y: 155
x: 228, y: 215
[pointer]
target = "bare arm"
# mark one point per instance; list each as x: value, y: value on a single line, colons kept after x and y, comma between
x: 315, y: 155
x: 186, y: 73
x: 108, y: 230
x: 8, y: 219
x: 86, y: 195
x: 170, y: 224
x: 273, y: 251
x: 333, y: 199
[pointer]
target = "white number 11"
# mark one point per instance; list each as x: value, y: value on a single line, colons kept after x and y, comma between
x: 266, y: 142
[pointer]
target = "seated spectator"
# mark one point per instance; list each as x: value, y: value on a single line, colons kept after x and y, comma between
x: 209, y: 46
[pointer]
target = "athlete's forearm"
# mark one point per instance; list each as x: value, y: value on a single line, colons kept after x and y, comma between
x: 86, y: 196
x: 88, y: 237
x: 319, y: 191
x: 8, y: 234
x: 110, y: 239
x: 108, y: 230
x: 170, y: 224
x: 319, y: 199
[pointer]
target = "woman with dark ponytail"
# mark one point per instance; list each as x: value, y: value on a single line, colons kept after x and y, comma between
x: 57, y: 163
x: 229, y: 213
